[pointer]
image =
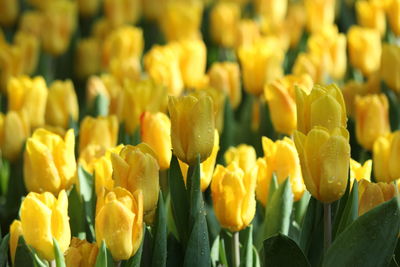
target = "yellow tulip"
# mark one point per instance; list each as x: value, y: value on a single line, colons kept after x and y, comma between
x: 44, y: 217
x: 281, y: 158
x: 325, y: 158
x: 136, y: 168
x: 15, y: 233
x: 59, y: 19
x: 359, y: 172
x: 192, y: 127
x: 273, y: 10
x: 136, y: 98
x: 120, y: 12
x: 8, y: 12
x: 390, y: 66
x: 81, y: 253
x: 11, y: 64
x: 225, y: 76
x: 261, y: 64
x: 233, y: 195
x: 162, y: 65
x: 31, y: 22
x: 386, y: 155
x: 88, y: 8
x: 62, y: 104
x: 248, y: 32
x: 101, y: 131
x: 87, y: 59
x: 224, y: 19
x: 152, y: 9
x: 244, y: 156
x: 49, y: 161
x: 295, y: 22
x: 393, y: 14
x: 14, y: 129
x: 280, y: 96
x: 370, y: 14
x: 29, y: 94
x: 155, y: 131
x: 181, y: 20
x: 371, y: 195
x: 320, y: 13
x: 128, y: 68
x: 324, y: 106
x: 29, y: 45
x: 372, y: 118
x: 313, y: 64
x: 206, y: 167
x: 119, y: 222
x: 364, y: 49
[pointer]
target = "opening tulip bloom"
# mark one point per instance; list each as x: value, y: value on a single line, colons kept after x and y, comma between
x: 371, y: 195
x: 244, y: 156
x: 81, y: 253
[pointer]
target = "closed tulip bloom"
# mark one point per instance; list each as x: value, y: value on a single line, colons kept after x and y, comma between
x: 88, y: 8
x: 313, y: 64
x: 206, y: 167
x: 248, y: 32
x: 325, y: 158
x: 8, y: 12
x: 192, y: 127
x: 44, y: 217
x: 224, y: 19
x: 320, y: 13
x: 155, y: 131
x: 15, y: 233
x: 29, y: 94
x: 364, y: 49
x: 359, y: 172
x: 386, y: 155
x: 120, y: 12
x: 119, y: 222
x: 372, y: 118
x: 261, y: 64
x: 162, y: 65
x: 14, y: 129
x: 390, y: 66
x: 281, y: 99
x: 225, y: 76
x: 49, y: 161
x: 281, y: 158
x: 31, y: 22
x: 233, y: 195
x: 128, y: 68
x: 295, y: 21
x: 244, y: 156
x: 324, y: 106
x: 371, y: 15
x: 136, y: 168
x: 87, y: 57
x: 152, y: 9
x: 393, y: 14
x: 81, y: 253
x: 273, y: 10
x: 371, y: 195
x: 30, y: 48
x: 62, y: 104
x: 11, y: 64
x: 101, y: 130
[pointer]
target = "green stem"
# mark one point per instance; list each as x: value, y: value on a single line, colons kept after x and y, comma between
x: 235, y: 249
x: 327, y: 226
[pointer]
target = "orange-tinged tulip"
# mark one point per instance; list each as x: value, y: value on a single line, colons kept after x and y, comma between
x: 244, y: 156
x: 224, y: 19
x: 372, y: 118
x: 119, y: 222
x: 325, y: 158
x: 233, y: 195
x: 81, y: 253
x: 320, y: 13
x: 371, y: 14
x: 371, y: 195
x: 390, y: 66
x: 386, y: 155
x: 44, y: 217
x: 15, y: 233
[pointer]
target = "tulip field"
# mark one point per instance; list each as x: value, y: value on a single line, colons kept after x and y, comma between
x: 223, y: 133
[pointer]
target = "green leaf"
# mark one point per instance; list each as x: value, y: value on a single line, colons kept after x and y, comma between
x: 394, y: 107
x: 4, y: 250
x: 195, y: 194
x: 228, y: 132
x: 300, y: 207
x: 368, y: 241
x: 350, y: 212
x: 104, y: 258
x: 175, y: 252
x: 87, y: 191
x: 76, y: 213
x: 256, y: 257
x: 160, y: 235
x: 179, y: 200
x: 246, y: 257
x: 59, y: 256
x: 100, y: 106
x: 280, y: 250
x: 340, y: 207
x: 25, y: 256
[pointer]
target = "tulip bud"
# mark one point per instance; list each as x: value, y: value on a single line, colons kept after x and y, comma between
x: 225, y: 76
x: 393, y: 15
x: 372, y: 118
x: 15, y: 233
x: 29, y: 45
x: 106, y: 85
x: 313, y: 64
x: 273, y: 10
x: 49, y: 161
x: 120, y: 12
x: 119, y: 222
x: 87, y: 59
x: 62, y: 104
x: 261, y: 64
x: 44, y: 217
x: 244, y: 156
x: 371, y: 195
x: 248, y: 32
x: 162, y: 65
x: 8, y: 12
x: 192, y: 127
x: 88, y: 8
x: 280, y: 96
x: 224, y: 19
x: 390, y: 66
x: 29, y: 94
x: 206, y: 167
x: 370, y: 14
x: 324, y: 106
x: 359, y: 172
x: 31, y: 22
x: 101, y: 131
x: 233, y: 195
x: 81, y: 253
x: 295, y: 22
x: 136, y: 168
x: 386, y: 155
x: 156, y: 132
x: 324, y: 157
x: 281, y: 158
x: 320, y: 13
x: 11, y: 64
x: 364, y: 49
x: 128, y: 68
